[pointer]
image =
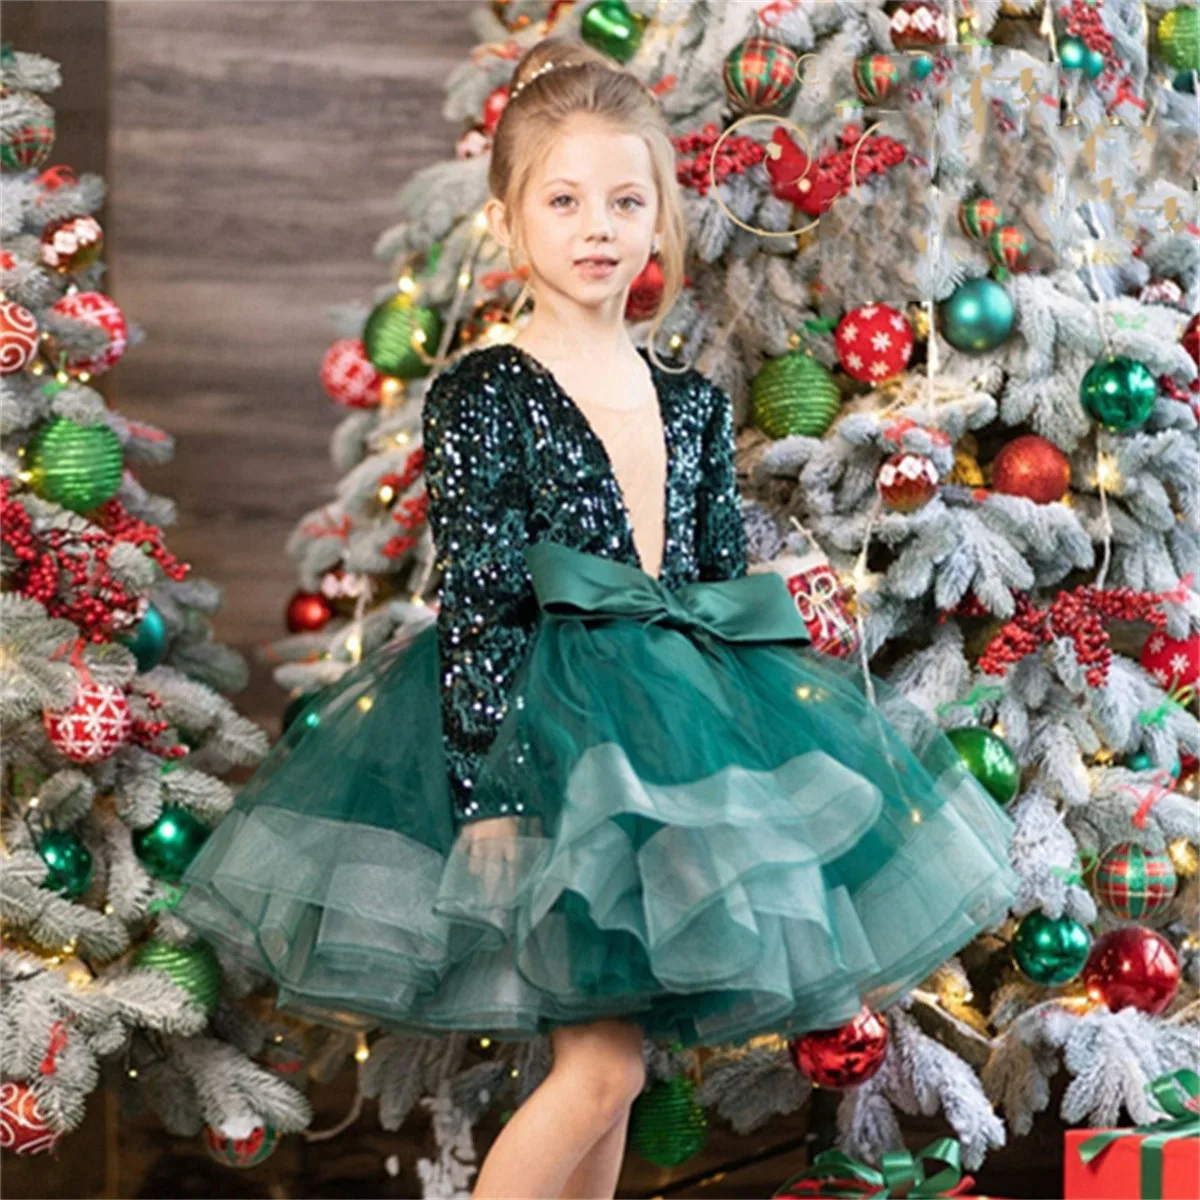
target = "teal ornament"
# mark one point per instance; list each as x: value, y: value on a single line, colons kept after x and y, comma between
x: 1075, y: 55
x: 977, y: 317
x: 166, y: 847
x: 609, y: 26
x: 393, y: 332
x: 1050, y: 950
x: 1185, y: 81
x: 1143, y: 762
x: 69, y: 860
x: 990, y: 759
x: 1119, y: 393
x: 921, y: 67
x: 1093, y: 63
x: 148, y: 641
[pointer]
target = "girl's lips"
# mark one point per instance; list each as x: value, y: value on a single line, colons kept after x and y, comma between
x: 595, y: 268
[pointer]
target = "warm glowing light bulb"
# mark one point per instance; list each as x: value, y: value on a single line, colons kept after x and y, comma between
x: 362, y: 1051
x: 365, y: 703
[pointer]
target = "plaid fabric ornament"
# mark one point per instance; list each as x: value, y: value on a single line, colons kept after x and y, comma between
x: 760, y: 75
x: 1134, y: 883
x: 821, y: 600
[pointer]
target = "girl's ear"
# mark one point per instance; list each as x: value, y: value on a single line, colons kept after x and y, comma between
x: 493, y: 210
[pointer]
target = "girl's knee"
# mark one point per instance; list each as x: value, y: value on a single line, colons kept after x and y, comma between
x: 606, y: 1061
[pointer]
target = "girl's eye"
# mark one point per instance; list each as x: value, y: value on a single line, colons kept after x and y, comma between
x: 634, y: 200
x: 556, y: 199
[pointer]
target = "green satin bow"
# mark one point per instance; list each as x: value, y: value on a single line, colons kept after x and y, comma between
x: 1178, y: 1095
x: 901, y: 1173
x: 752, y: 608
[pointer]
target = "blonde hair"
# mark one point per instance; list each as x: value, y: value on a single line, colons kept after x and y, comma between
x: 556, y: 79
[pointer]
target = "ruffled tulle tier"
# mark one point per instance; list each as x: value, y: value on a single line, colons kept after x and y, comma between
x: 714, y: 838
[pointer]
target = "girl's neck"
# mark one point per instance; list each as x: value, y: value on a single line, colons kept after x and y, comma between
x: 553, y: 341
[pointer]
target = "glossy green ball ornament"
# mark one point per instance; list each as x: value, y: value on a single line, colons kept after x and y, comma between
x: 1119, y: 393
x: 1179, y: 38
x: 193, y: 968
x: 1050, y: 950
x: 609, y: 26
x: 990, y: 759
x: 148, y: 641
x: 794, y: 394
x: 69, y: 860
x: 394, y: 330
x: 166, y: 847
x: 77, y: 466
x: 667, y: 1126
x: 977, y: 317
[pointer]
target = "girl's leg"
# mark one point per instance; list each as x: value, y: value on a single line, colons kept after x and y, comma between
x: 597, y: 1074
x: 596, y: 1176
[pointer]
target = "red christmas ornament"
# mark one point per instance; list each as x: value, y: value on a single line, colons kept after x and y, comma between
x: 907, y: 482
x: 1163, y: 291
x: 23, y: 1127
x: 96, y: 725
x: 645, y: 292
x: 1032, y: 467
x: 844, y: 1057
x: 308, y: 612
x: 53, y: 178
x: 874, y: 342
x: 71, y: 244
x: 918, y: 23
x: 94, y: 308
x: 1174, y: 662
x: 1191, y: 339
x: 1132, y: 965
x: 350, y: 378
x: 493, y: 106
x: 7, y: 262
x: 18, y: 337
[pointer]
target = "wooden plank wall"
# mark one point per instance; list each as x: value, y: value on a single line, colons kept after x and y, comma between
x: 255, y: 150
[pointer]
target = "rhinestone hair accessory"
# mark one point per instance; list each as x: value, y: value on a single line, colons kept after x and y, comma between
x: 546, y: 66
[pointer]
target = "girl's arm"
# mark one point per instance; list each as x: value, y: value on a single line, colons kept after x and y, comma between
x: 487, y: 606
x: 721, y: 536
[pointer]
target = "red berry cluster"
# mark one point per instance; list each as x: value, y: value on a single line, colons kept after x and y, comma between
x: 1082, y: 20
x: 145, y: 733
x: 1080, y: 614
x: 123, y: 526
x: 736, y: 156
x: 1189, y: 395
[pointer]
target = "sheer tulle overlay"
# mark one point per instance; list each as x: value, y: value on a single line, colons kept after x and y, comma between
x: 716, y: 833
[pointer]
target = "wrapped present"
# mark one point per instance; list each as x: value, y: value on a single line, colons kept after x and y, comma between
x: 821, y: 599
x: 900, y: 1173
x: 1160, y: 1161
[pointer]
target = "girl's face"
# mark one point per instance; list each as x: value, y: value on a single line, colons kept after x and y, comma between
x: 589, y: 215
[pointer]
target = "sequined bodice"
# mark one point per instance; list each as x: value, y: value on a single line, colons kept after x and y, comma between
x: 511, y: 459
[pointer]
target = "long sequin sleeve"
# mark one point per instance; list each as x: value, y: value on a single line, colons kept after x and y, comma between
x: 487, y: 607
x: 720, y: 533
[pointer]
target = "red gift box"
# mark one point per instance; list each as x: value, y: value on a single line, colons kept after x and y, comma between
x: 1117, y: 1173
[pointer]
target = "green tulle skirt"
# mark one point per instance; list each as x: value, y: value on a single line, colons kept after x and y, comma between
x: 718, y: 833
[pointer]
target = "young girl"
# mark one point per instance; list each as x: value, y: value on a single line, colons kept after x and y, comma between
x: 609, y: 794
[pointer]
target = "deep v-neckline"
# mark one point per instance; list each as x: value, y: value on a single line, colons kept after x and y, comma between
x: 660, y: 399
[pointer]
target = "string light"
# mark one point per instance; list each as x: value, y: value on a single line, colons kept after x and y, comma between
x: 406, y: 285
x: 386, y: 494
x: 362, y: 1051
x: 365, y: 704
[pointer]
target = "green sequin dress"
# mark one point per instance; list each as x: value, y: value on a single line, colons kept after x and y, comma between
x: 714, y: 833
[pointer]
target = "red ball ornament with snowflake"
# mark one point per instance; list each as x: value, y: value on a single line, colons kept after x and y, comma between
x: 18, y: 337
x: 907, y: 482
x: 874, y: 342
x: 350, y: 378
x: 94, y: 308
x: 23, y: 1127
x: 1174, y: 662
x: 96, y: 725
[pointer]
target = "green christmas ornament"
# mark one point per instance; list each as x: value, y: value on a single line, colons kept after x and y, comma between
x: 760, y: 75
x: 257, y: 1146
x: 1119, y: 393
x: 990, y: 759
x: 609, y: 26
x: 794, y: 394
x: 193, y: 968
x: 27, y: 147
x: 392, y: 333
x: 77, y: 466
x: 977, y: 317
x: 166, y: 847
x: 1179, y: 38
x: 148, y: 641
x: 667, y: 1126
x: 1050, y: 950
x: 1134, y: 883
x: 69, y: 860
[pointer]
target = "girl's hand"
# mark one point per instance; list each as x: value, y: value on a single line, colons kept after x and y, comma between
x: 492, y: 839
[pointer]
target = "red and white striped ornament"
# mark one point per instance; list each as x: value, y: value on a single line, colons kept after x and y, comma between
x: 95, y: 308
x: 350, y: 378
x: 874, y: 342
x: 96, y: 725
x: 1174, y: 662
x: 18, y: 337
x: 23, y: 1127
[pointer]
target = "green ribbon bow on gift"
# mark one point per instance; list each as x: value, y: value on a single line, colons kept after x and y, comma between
x: 752, y: 608
x: 900, y: 1173
x: 1178, y: 1095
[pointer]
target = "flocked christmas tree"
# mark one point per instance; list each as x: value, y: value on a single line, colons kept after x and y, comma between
x: 944, y: 265
x: 116, y: 725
